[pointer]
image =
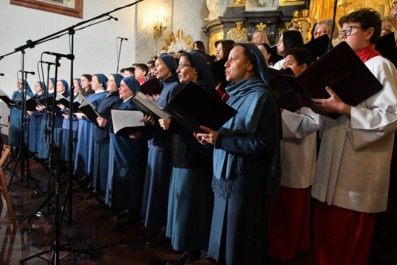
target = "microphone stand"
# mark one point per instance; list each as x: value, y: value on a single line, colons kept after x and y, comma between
x: 23, y: 152
x: 55, y: 248
x: 47, y: 202
x: 333, y: 25
x: 118, y: 54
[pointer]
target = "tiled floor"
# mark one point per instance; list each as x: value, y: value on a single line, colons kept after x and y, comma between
x: 93, y: 230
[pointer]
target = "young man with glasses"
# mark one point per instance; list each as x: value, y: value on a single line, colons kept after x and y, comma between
x: 351, y: 181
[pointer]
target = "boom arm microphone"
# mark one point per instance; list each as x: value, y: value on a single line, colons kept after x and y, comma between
x: 49, y: 63
x: 67, y: 56
x: 27, y: 72
x: 112, y: 17
x: 122, y: 38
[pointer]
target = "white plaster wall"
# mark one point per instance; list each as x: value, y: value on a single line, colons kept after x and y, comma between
x: 95, y: 47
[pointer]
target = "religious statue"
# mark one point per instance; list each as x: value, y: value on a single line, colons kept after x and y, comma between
x: 301, y: 21
x: 216, y: 8
x: 239, y: 33
x: 212, y: 6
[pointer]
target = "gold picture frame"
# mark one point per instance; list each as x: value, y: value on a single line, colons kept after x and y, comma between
x: 72, y: 8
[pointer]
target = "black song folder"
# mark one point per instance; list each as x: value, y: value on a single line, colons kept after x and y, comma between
x: 148, y: 106
x: 31, y: 103
x: 151, y: 87
x: 318, y: 47
x: 286, y: 95
x: 193, y: 106
x: 89, y: 111
x: 343, y: 71
x: 386, y: 45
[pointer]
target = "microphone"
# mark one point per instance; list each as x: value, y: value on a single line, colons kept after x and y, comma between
x: 1, y: 74
x: 27, y: 72
x: 112, y: 17
x: 122, y: 38
x: 49, y: 63
x: 67, y: 56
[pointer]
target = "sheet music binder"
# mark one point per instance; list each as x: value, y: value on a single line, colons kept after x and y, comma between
x: 76, y: 101
x: 148, y: 106
x: 193, y: 106
x: 6, y: 99
x: 287, y: 97
x: 89, y: 111
x: 151, y: 87
x: 343, y: 71
x: 31, y: 103
x: 318, y: 47
x: 386, y: 45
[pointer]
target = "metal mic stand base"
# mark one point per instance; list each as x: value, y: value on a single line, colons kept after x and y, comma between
x: 84, y: 188
x: 55, y: 251
x: 22, y: 155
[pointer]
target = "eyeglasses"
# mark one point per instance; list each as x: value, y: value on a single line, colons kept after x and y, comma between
x: 347, y: 31
x: 181, y: 66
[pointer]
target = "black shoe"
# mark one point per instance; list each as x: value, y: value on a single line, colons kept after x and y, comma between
x: 159, y: 240
x: 98, y: 192
x: 129, y: 216
x: 185, y: 258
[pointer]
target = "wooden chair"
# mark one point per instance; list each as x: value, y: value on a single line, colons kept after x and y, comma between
x: 5, y: 153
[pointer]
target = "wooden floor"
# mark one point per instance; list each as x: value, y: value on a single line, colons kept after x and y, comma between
x: 93, y: 237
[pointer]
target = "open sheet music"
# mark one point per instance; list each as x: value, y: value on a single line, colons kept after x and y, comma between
x: 126, y: 121
x: 6, y: 99
x: 193, y: 106
x: 286, y: 95
x: 148, y: 106
x: 76, y: 101
x: 89, y: 111
x: 31, y: 103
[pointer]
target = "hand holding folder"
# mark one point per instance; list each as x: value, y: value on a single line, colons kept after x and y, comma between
x: 341, y: 70
x: 192, y: 106
x: 287, y: 97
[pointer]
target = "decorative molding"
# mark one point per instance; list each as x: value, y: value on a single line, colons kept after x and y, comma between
x: 74, y: 8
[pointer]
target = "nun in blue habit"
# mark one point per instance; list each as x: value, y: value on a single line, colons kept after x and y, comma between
x: 66, y: 124
x: 62, y: 87
x: 246, y: 162
x: 127, y: 160
x: 190, y: 197
x: 44, y: 140
x: 14, y: 138
x: 84, y: 155
x: 159, y: 165
x: 101, y: 134
x: 35, y: 119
